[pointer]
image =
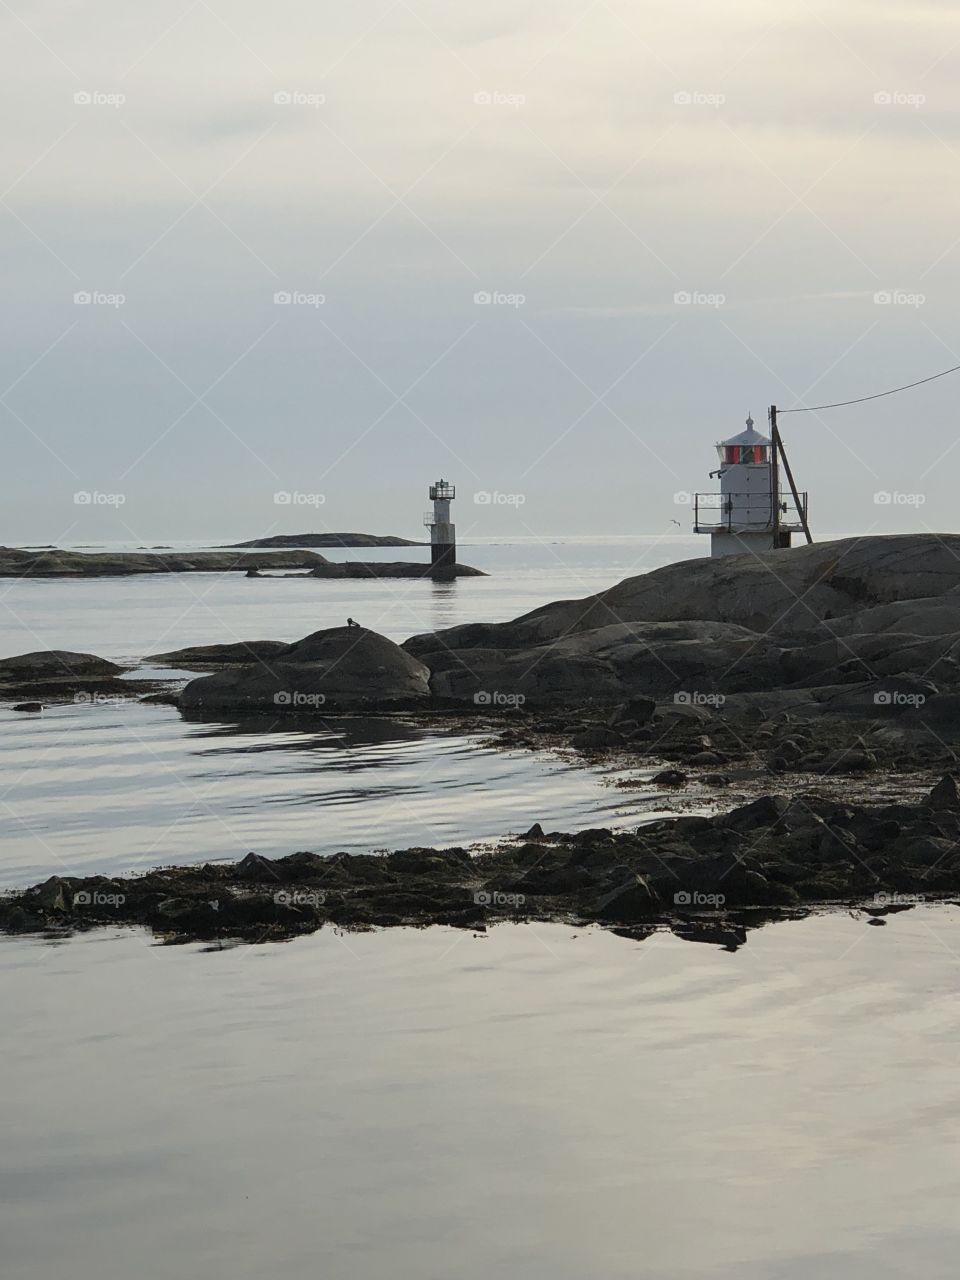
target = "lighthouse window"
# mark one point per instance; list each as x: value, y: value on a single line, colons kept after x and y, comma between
x: 741, y: 454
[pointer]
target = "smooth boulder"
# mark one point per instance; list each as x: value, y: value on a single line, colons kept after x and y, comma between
x: 339, y: 667
x: 56, y: 664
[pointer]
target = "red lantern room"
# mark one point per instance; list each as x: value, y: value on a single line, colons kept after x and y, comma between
x: 746, y: 448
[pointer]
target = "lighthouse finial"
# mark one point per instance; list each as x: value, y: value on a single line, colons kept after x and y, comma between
x: 749, y: 418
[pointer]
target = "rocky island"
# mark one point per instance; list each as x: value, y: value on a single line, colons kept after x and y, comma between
x: 56, y: 563
x: 328, y: 540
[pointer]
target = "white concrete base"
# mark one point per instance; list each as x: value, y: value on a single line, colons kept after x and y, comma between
x: 742, y: 544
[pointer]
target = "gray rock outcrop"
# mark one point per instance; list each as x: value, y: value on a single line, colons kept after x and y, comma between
x: 875, y: 612
x: 613, y: 663
x: 56, y: 664
x: 219, y: 655
x: 329, y: 669
x: 784, y: 593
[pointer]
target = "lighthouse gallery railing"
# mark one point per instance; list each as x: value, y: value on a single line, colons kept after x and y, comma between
x: 743, y: 512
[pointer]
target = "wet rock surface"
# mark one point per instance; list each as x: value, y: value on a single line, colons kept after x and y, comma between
x: 708, y: 879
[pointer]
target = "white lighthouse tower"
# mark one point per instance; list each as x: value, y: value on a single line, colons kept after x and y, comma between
x: 443, y: 534
x: 749, y: 513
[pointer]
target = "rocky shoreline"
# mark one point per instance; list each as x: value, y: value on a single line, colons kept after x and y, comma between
x: 707, y: 879
x: 825, y: 674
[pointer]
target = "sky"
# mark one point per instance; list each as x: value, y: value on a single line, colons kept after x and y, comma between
x: 275, y: 268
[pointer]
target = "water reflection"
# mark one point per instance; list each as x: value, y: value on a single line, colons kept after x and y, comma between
x: 540, y: 1103
x: 281, y: 734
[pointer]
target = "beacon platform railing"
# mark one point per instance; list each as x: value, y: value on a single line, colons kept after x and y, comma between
x: 743, y: 512
x: 443, y: 490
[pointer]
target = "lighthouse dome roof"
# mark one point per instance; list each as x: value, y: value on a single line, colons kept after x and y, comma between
x: 748, y: 437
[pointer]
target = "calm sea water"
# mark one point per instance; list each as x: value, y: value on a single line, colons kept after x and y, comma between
x: 127, y: 619
x: 535, y: 1102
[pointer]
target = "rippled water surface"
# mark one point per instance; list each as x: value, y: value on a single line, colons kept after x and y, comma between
x: 116, y: 787
x: 534, y: 1103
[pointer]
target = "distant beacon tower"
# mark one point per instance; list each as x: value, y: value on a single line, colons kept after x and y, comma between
x: 443, y: 535
x: 749, y: 513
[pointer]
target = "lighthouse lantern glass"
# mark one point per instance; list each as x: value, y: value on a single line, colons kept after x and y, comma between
x: 732, y: 455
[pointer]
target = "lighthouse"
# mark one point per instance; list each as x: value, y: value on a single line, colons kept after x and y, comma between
x: 749, y: 512
x: 443, y: 535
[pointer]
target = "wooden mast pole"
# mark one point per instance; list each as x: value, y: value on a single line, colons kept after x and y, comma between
x: 774, y: 479
x: 779, y: 449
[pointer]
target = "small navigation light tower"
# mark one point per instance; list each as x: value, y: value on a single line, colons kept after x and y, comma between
x: 749, y: 513
x: 443, y: 535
